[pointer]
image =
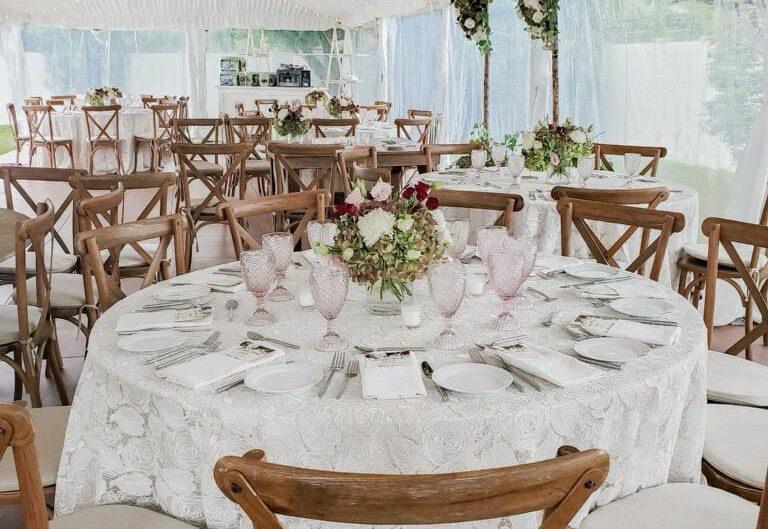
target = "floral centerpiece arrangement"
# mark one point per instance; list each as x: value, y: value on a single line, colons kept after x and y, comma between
x: 540, y: 17
x: 291, y: 119
x: 556, y: 148
x: 315, y: 96
x: 99, y: 96
x: 482, y: 139
x: 338, y: 104
x: 386, y: 241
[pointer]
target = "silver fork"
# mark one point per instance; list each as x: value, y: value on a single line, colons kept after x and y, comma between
x: 476, y: 355
x: 337, y: 364
x: 352, y: 368
x: 551, y: 321
x: 165, y: 359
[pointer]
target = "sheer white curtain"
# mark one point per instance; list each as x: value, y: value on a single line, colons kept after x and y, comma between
x: 194, y: 47
x: 12, y: 49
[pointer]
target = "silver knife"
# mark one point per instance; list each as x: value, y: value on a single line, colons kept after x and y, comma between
x: 597, y: 282
x: 427, y: 370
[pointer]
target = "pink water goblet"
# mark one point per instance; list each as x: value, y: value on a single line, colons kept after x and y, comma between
x: 329, y: 285
x: 506, y: 272
x: 447, y: 280
x: 280, y: 245
x: 258, y: 270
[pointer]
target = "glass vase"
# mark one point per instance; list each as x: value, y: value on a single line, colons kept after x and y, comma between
x: 384, y: 302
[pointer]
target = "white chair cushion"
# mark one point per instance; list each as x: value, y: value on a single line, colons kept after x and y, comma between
x: 66, y: 291
x: 62, y: 262
x: 118, y: 517
x: 50, y: 424
x: 701, y: 250
x: 9, y: 322
x: 208, y: 168
x: 675, y: 506
x: 130, y: 257
x: 734, y: 380
x: 258, y: 166
x: 735, y: 442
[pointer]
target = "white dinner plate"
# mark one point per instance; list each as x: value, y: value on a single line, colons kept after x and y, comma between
x: 184, y: 293
x: 642, y: 307
x: 615, y: 350
x: 472, y: 378
x: 151, y: 342
x: 284, y: 378
x: 591, y: 271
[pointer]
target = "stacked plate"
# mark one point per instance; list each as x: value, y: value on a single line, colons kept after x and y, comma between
x: 284, y: 378
x: 472, y: 378
x: 152, y: 342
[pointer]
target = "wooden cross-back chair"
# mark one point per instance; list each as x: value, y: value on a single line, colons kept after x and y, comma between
x: 309, y: 204
x: 69, y: 98
x: 604, y: 150
x: 163, y: 116
x: 415, y: 113
x: 89, y: 244
x: 19, y: 139
x: 149, y: 101
x: 201, y: 131
x: 350, y: 161
x: 56, y: 102
x: 33, y: 101
x: 41, y: 134
x: 321, y: 124
x: 381, y: 109
x: 435, y: 151
x: 420, y: 128
x: 256, y: 130
x: 264, y: 106
x: 506, y: 203
x: 28, y: 339
x: 291, y: 158
x: 576, y: 213
x: 102, y: 125
x: 558, y: 486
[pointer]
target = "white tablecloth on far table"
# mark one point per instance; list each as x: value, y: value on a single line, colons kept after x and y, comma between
x: 135, y: 438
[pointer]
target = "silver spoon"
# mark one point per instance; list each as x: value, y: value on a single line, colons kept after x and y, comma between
x: 231, y: 304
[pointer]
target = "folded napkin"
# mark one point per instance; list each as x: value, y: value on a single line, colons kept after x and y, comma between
x: 619, y: 328
x: 391, y: 376
x: 557, y: 368
x: 217, y: 282
x: 164, y: 319
x: 202, y: 371
x: 313, y: 258
x: 623, y: 289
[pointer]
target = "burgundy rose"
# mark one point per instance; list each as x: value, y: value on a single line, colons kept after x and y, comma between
x: 432, y: 203
x: 422, y: 187
x: 408, y: 192
x: 421, y: 195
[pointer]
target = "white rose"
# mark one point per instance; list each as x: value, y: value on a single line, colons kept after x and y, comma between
x: 527, y: 140
x: 306, y: 113
x: 412, y: 255
x: 381, y: 191
x: 442, y: 226
x: 374, y: 225
x: 578, y: 136
x: 405, y: 223
x: 347, y: 254
x: 469, y: 23
x: 536, y: 31
x: 282, y: 114
x: 537, y: 145
x: 355, y: 197
x: 538, y: 16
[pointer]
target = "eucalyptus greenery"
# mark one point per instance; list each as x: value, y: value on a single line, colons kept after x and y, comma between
x: 472, y: 17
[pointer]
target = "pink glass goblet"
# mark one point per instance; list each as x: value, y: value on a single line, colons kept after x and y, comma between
x: 447, y: 280
x: 488, y: 239
x: 259, y: 275
x: 329, y: 287
x: 459, y: 230
x: 280, y: 245
x: 527, y: 246
x: 506, y: 271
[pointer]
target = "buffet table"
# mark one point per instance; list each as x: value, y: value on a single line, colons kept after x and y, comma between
x: 229, y: 95
x: 136, y: 438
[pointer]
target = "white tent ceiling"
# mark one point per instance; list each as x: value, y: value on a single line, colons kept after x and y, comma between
x: 208, y: 14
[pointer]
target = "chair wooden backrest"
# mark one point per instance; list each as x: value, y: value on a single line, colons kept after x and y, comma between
x: 102, y: 123
x: 576, y: 213
x: 56, y: 102
x: 13, y: 121
x: 727, y: 233
x: 506, y: 203
x: 199, y: 131
x: 33, y: 101
x: 39, y: 122
x: 183, y: 107
x: 264, y: 106
x: 168, y: 229
x: 149, y: 101
x: 313, y: 203
x: 319, y: 124
x: 382, y: 110
x: 348, y: 162
x: 256, y: 130
x: 558, y: 486
x: 20, y: 181
x: 69, y: 98
x: 162, y: 121
x: 420, y: 126
x: 603, y: 150
x: 415, y: 113
x: 291, y: 158
x: 239, y: 108
x: 435, y: 151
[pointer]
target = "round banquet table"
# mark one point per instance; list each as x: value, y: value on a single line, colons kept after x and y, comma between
x: 8, y: 220
x: 71, y: 124
x: 135, y: 438
x: 540, y: 219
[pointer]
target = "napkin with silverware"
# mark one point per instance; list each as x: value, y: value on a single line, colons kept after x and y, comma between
x: 391, y: 376
x: 625, y: 289
x: 195, y: 318
x: 557, y: 368
x: 653, y: 334
x: 217, y: 282
x: 212, y: 368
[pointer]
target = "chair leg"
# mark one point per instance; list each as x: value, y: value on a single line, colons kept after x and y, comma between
x: 31, y: 369
x: 696, y: 294
x: 18, y: 384
x: 18, y: 151
x: 682, y: 282
x: 136, y: 147
x: 119, y: 156
x: 91, y: 152
x: 71, y: 156
x: 748, y: 326
x: 52, y: 156
x: 54, y: 357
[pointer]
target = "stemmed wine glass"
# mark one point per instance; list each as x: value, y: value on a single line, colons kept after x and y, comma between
x: 258, y: 270
x: 498, y: 153
x: 447, y: 280
x: 488, y: 238
x: 280, y: 245
x: 516, y: 164
x: 459, y: 230
x: 585, y: 166
x: 632, y: 166
x: 477, y: 159
x: 528, y: 252
x: 507, y: 272
x: 321, y: 233
x: 329, y: 287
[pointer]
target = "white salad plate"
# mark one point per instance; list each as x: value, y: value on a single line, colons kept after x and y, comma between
x: 642, y: 307
x: 283, y: 378
x: 151, y: 342
x: 183, y: 293
x: 591, y: 271
x: 613, y: 350
x: 472, y: 378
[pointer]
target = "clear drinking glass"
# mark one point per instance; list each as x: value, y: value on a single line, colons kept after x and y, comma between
x: 585, y: 166
x: 516, y: 164
x: 477, y: 159
x: 329, y: 287
x: 506, y: 272
x: 528, y: 251
x: 258, y: 270
x: 459, y: 230
x: 446, y: 286
x: 321, y: 232
x: 632, y: 166
x: 280, y: 245
x: 498, y: 153
x: 488, y: 238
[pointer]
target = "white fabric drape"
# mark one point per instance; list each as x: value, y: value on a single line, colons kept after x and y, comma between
x: 12, y: 49
x: 195, y: 46
x: 540, y: 83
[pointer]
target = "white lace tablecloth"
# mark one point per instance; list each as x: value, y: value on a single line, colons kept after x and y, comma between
x: 71, y: 124
x: 540, y: 219
x: 134, y: 438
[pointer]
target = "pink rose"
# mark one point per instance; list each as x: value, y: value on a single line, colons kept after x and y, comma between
x: 355, y: 198
x: 554, y: 159
x: 381, y: 191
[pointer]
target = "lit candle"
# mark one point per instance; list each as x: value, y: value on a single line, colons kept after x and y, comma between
x: 305, y: 298
x: 475, y: 284
x: 410, y: 315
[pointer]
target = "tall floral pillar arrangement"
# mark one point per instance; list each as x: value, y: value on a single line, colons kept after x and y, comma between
x: 472, y: 17
x: 540, y: 17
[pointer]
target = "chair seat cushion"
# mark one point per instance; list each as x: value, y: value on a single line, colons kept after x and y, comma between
x: 734, y: 442
x: 67, y: 291
x: 675, y: 506
x: 118, y: 517
x: 9, y: 322
x: 50, y: 424
x: 734, y: 380
x: 258, y: 166
x: 208, y: 168
x: 62, y: 262
x: 700, y: 251
x: 130, y: 257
